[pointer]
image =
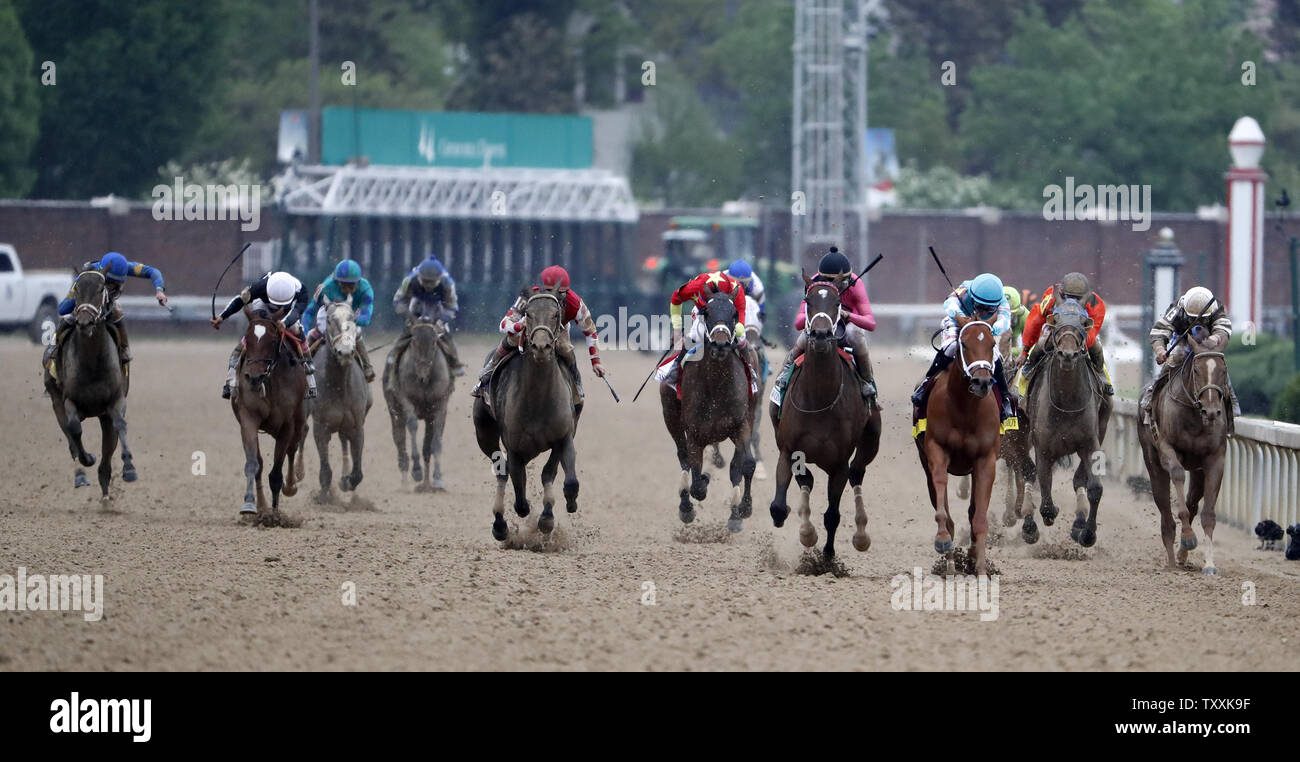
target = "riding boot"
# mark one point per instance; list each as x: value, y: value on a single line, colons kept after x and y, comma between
x: 1031, y: 363
x: 310, y: 368
x: 1098, y: 359
x: 922, y: 391
x: 579, y: 397
x: 364, y: 356
x: 123, y: 346
x: 230, y: 372
x: 453, y: 355
x: 856, y: 339
x: 1008, y: 403
x: 489, y: 368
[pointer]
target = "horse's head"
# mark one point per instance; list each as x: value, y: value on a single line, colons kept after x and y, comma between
x: 542, y: 313
x: 822, y: 313
x: 262, y: 342
x: 1070, y: 324
x: 1209, y: 383
x: 426, y: 330
x: 341, y: 330
x: 975, y: 353
x: 90, y: 292
x: 720, y: 318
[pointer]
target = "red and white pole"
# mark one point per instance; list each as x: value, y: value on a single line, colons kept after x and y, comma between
x: 1244, y: 280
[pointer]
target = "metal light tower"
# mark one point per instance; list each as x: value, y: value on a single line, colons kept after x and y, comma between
x: 828, y: 161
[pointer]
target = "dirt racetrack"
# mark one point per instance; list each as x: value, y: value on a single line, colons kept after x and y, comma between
x: 188, y: 586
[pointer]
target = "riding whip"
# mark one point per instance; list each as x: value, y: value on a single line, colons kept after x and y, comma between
x: 945, y: 272
x: 652, y: 372
x: 611, y: 389
x: 867, y: 269
x: 217, y: 288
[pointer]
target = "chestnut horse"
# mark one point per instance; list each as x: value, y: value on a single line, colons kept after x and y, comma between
x: 961, y: 436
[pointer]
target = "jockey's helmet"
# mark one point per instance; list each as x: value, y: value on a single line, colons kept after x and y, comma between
x: 347, y: 271
x: 1198, y: 302
x: 985, y: 293
x: 114, y: 266
x: 430, y: 273
x: 741, y: 271
x: 1075, y: 286
x: 555, y: 275
x: 1013, y: 297
x: 281, y: 288
x: 833, y: 264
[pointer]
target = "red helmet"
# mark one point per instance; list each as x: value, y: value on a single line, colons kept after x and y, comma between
x: 554, y: 275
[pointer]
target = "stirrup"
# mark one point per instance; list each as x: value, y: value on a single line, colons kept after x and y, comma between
x: 225, y: 391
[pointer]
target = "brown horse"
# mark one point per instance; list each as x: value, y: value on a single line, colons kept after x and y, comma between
x: 418, y: 389
x: 962, y: 436
x: 826, y: 423
x: 1188, y: 435
x: 715, y: 405
x: 272, y: 383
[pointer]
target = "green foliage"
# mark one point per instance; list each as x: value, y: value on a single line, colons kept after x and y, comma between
x: 19, y: 108
x: 942, y: 187
x: 684, y: 159
x: 1287, y: 406
x: 1259, y: 373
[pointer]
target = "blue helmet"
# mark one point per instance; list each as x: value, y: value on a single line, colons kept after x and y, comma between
x: 347, y: 271
x: 430, y: 272
x: 114, y: 266
x: 740, y: 270
x: 986, y: 291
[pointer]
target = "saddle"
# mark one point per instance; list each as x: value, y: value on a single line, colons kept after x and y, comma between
x: 778, y: 399
x: 491, y: 380
x: 919, y: 419
x: 691, y: 356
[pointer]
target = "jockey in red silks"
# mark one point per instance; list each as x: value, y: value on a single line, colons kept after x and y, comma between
x: 856, y: 319
x: 575, y: 311
x: 698, y: 291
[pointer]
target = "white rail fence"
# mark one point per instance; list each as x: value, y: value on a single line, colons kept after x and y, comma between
x: 1261, y: 479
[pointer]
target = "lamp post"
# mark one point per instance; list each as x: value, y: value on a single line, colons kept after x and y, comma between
x: 1160, y: 289
x: 1244, y: 279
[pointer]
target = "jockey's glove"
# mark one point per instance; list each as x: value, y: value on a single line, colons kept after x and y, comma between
x: 950, y: 349
x: 739, y: 331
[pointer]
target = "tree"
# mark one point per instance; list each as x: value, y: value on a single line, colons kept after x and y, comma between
x: 684, y: 159
x: 132, y: 82
x: 527, y: 65
x: 19, y: 107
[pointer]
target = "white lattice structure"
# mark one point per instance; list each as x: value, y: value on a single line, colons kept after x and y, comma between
x: 581, y: 195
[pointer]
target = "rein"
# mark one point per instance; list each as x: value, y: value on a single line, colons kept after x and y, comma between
x: 260, y: 379
x: 97, y: 313
x: 1194, y: 400
x: 551, y: 332
x: 971, y: 367
x: 1092, y: 387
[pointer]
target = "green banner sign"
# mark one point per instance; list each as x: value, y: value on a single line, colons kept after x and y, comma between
x: 455, y: 139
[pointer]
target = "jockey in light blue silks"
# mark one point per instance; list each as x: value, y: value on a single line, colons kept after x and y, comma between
x: 344, y: 285
x: 981, y: 298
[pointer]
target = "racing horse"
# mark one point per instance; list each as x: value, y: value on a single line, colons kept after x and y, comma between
x: 826, y: 423
x: 269, y: 398
x: 344, y: 398
x: 1188, y: 436
x: 961, y: 435
x: 91, y: 383
x: 531, y: 412
x: 421, y: 385
x: 715, y: 405
x: 1068, y: 416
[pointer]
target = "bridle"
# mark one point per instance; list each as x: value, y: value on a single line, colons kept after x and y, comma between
x: 260, y: 379
x: 96, y: 312
x: 969, y: 368
x: 1082, y: 336
x: 809, y: 317
x: 1188, y: 371
x: 722, y: 326
x: 550, y: 332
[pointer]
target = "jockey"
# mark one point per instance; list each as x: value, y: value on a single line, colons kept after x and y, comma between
x: 575, y: 311
x: 284, y: 298
x: 856, y: 319
x: 344, y: 285
x: 432, y: 287
x: 1072, y: 286
x: 981, y: 298
x: 1197, y: 307
x: 1018, y: 314
x: 115, y: 268
x: 698, y: 290
x: 741, y: 271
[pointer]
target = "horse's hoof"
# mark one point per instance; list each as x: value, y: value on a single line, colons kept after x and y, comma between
x: 1209, y: 571
x: 426, y: 487
x: 746, y: 507
x: 735, y: 524
x: 345, y: 483
x: 807, y: 535
x: 571, y: 505
x: 1029, y: 532
x: 417, y: 473
x: 943, y: 546
x: 779, y: 514
x: 1188, y: 543
x: 1088, y: 538
x: 80, y: 480
x: 289, y: 490
x: 499, y: 529
x: 87, y: 460
x: 700, y: 487
x: 1048, y: 513
x: 545, y: 524
x: 439, y: 485
x: 718, y: 460
x: 522, y: 509
x: 861, y: 542
x: 248, y: 510
x: 760, y: 472
x: 687, y: 515
x: 129, y: 474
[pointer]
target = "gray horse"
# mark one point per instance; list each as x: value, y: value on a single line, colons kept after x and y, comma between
x: 417, y: 386
x: 1068, y: 416
x: 1188, y: 435
x: 531, y: 413
x: 91, y: 383
x: 344, y: 399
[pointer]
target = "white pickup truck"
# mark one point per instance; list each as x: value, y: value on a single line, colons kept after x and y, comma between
x: 28, y: 300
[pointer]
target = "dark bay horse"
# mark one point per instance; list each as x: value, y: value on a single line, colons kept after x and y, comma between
x: 91, y: 383
x: 272, y: 384
x: 344, y: 398
x: 827, y: 424
x: 715, y: 405
x: 961, y: 436
x: 422, y: 383
x: 1068, y: 414
x: 1188, y: 436
x: 531, y: 413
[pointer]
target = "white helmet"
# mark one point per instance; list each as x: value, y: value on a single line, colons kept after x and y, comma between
x: 1196, y: 302
x: 281, y: 288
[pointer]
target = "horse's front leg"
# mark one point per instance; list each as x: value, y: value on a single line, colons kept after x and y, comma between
x: 981, y: 493
x: 546, y: 522
x: 252, y: 467
x: 427, y: 452
x: 519, y: 480
x: 699, y: 479
x: 438, y: 424
x: 1213, y: 474
x: 569, y: 459
x: 354, y: 441
x: 108, y: 445
x: 1047, y: 507
x: 807, y: 533
x: 834, y: 491
x: 70, y: 421
x: 322, y: 436
x: 779, y: 509
x: 742, y: 467
x: 937, y: 464
x: 129, y: 473
x: 1178, y: 478
x: 1087, y: 490
x: 413, y: 429
x: 276, y: 477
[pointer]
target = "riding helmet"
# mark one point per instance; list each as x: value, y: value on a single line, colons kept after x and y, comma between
x: 1075, y: 285
x: 114, y: 266
x: 741, y: 271
x: 281, y: 288
x: 348, y: 271
x: 834, y: 264
x: 1197, y: 301
x: 430, y: 272
x: 1013, y: 297
x: 986, y: 291
x: 555, y: 275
